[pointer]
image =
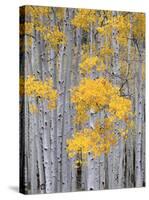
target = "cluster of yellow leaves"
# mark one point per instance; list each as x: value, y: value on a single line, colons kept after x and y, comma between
x: 36, y: 11
x: 120, y: 24
x: 33, y: 108
x: 138, y: 27
x: 98, y: 95
x: 84, y: 18
x: 42, y: 89
x: 95, y: 141
x: 106, y: 51
x: 54, y: 36
x: 120, y: 107
x: 97, y: 60
x: 89, y: 63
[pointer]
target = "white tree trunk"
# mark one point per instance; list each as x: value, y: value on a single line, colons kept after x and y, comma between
x: 66, y: 172
x: 138, y: 149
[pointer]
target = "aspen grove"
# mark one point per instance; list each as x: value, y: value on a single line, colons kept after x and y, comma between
x: 82, y: 99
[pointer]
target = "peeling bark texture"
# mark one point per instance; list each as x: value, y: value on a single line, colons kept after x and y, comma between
x: 52, y: 47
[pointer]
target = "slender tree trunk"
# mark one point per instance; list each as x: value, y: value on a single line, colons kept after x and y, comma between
x: 138, y: 146
x: 116, y: 154
x: 66, y: 173
x: 60, y: 116
x: 128, y: 168
x: 90, y: 170
x: 53, y: 132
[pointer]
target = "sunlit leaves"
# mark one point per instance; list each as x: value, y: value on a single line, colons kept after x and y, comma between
x: 138, y: 27
x: 37, y: 11
x: 84, y: 18
x: 93, y: 94
x: 120, y: 107
x: 120, y: 24
x: 33, y: 108
x: 95, y: 141
x: 53, y: 36
x: 98, y: 95
x: 96, y: 61
x: 41, y: 89
x: 91, y: 62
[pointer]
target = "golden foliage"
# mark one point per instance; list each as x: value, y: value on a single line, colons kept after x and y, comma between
x: 95, y: 141
x: 33, y: 108
x: 120, y: 106
x: 120, y: 24
x: 93, y: 94
x: 41, y: 89
x: 138, y: 27
x: 52, y: 36
x: 84, y: 18
x: 91, y: 62
x: 96, y: 61
x: 98, y: 95
x: 37, y: 11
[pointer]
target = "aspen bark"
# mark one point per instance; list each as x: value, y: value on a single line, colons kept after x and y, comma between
x: 116, y: 150
x: 138, y: 159
x: 66, y: 119
x: 90, y: 169
x: 128, y: 172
